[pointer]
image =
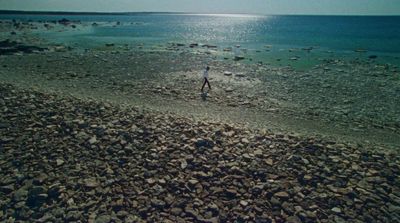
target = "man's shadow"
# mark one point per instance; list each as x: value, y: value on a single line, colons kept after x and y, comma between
x: 204, y: 95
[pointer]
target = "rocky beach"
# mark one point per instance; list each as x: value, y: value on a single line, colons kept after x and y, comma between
x: 121, y: 133
x: 67, y: 159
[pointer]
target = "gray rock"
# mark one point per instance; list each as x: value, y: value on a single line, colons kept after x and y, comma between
x: 293, y: 219
x: 21, y: 194
x: 122, y: 214
x: 73, y: 216
x: 176, y: 211
x: 204, y: 143
x: 158, y: 203
x: 93, y: 140
x: 91, y: 183
x: 228, y: 89
x: 103, y: 219
x: 59, y: 162
x: 282, y: 195
x: 58, y: 212
x: 337, y: 210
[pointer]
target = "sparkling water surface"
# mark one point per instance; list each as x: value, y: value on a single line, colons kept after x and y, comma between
x: 380, y: 34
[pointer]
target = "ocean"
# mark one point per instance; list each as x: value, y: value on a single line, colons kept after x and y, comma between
x: 308, y: 39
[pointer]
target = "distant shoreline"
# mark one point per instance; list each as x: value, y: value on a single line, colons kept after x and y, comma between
x: 79, y: 13
x: 22, y: 12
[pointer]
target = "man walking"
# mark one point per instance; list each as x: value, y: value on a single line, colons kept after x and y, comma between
x: 205, y: 75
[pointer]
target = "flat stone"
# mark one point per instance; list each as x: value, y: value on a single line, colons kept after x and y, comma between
x: 193, y: 181
x: 311, y: 214
x: 337, y: 210
x: 93, y: 140
x: 244, y: 140
x: 183, y: 164
x: 73, y: 216
x: 103, y: 219
x: 59, y: 162
x: 307, y: 177
x: 151, y: 181
x: 269, y: 161
x: 244, y: 203
x: 298, y: 208
x: 122, y: 214
x: 293, y: 219
x: 176, y: 211
x: 158, y: 203
x: 228, y: 89
x: 20, y: 195
x: 282, y: 195
x: 91, y: 183
x: 394, y: 208
x: 258, y: 152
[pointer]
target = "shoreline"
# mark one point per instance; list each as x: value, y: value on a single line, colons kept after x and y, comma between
x: 148, y: 79
x: 91, y: 161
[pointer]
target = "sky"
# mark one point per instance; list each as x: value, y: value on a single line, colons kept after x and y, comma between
x: 269, y: 7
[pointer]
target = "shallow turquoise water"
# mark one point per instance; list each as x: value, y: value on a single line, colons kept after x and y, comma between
x: 325, y: 35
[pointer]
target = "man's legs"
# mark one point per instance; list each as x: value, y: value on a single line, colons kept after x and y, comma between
x: 204, y: 84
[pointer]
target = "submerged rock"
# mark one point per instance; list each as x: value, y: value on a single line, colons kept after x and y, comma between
x: 228, y: 73
x: 238, y: 57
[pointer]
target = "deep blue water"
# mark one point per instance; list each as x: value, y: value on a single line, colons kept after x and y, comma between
x: 379, y: 34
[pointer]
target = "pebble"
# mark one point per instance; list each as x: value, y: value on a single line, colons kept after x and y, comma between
x: 282, y: 195
x: 93, y: 140
x: 244, y: 203
x: 59, y: 162
x: 73, y: 216
x: 91, y: 183
x: 103, y: 219
x: 269, y: 161
x: 245, y: 141
x: 337, y: 210
x: 151, y: 181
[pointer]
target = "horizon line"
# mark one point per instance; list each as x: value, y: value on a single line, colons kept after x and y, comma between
x: 56, y: 12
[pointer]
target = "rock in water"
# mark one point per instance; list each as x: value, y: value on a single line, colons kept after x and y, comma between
x: 239, y: 58
x: 228, y: 73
